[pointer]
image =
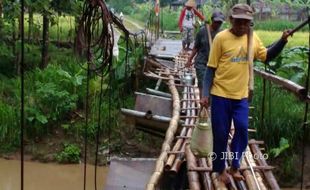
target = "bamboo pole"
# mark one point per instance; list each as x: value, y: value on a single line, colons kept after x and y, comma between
x: 177, y: 162
x: 242, y: 168
x: 258, y: 175
x: 296, y: 89
x: 250, y: 56
x: 246, y: 157
x: 158, y: 93
x: 179, y: 142
x: 206, y: 179
x: 172, y: 163
x: 158, y: 82
x: 193, y: 177
x: 166, y: 146
x: 150, y: 64
x: 144, y: 115
x: 156, y: 76
x: 249, y: 178
x: 268, y: 174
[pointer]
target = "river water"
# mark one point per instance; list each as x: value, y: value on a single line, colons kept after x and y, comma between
x: 40, y: 176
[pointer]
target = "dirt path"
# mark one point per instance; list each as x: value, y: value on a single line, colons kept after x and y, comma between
x: 132, y: 25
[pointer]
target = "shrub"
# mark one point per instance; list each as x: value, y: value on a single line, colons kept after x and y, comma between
x: 70, y: 154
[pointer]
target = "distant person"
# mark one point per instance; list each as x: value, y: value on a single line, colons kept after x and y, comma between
x: 112, y: 10
x: 202, y: 46
x: 226, y: 82
x: 187, y: 23
x: 121, y: 16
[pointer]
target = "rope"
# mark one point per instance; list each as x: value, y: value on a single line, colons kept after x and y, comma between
x: 22, y: 110
x: 305, y: 124
x: 96, y: 16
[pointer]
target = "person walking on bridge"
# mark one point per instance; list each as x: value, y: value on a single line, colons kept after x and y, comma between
x: 202, y: 45
x: 227, y: 82
x: 187, y: 22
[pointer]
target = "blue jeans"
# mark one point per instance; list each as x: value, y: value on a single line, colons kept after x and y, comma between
x: 223, y: 111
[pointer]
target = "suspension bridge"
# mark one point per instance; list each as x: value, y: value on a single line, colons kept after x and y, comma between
x: 171, y: 114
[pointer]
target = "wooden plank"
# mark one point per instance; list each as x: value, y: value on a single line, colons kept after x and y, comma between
x: 166, y: 48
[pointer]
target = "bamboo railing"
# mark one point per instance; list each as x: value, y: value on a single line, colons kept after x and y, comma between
x: 169, y: 135
x: 296, y: 89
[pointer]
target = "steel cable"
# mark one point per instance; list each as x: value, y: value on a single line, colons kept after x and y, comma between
x: 305, y: 123
x: 22, y: 110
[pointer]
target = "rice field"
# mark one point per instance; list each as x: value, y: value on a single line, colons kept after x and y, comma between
x: 298, y: 39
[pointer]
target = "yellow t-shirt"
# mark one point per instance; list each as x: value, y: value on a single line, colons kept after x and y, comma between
x: 228, y: 57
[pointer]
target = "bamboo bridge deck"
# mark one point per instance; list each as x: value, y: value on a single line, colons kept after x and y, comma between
x: 177, y: 167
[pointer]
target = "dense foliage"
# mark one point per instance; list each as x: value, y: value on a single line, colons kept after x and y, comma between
x: 55, y: 95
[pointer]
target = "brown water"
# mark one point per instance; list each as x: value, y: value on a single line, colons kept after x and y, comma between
x: 38, y: 176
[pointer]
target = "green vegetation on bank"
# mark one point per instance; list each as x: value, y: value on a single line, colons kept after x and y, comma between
x: 55, y: 98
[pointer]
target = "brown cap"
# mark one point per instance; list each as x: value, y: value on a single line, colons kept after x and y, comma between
x: 242, y: 11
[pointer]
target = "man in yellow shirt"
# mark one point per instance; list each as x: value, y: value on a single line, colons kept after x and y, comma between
x: 227, y: 76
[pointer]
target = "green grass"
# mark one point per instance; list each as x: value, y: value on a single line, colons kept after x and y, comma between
x: 298, y: 39
x: 277, y: 25
x: 66, y: 27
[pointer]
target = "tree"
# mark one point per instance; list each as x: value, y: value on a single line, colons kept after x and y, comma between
x: 1, y: 8
x: 11, y: 10
x: 1, y: 20
x: 32, y: 5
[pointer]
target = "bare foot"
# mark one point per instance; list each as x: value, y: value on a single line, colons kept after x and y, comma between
x: 224, y: 177
x: 236, y: 174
